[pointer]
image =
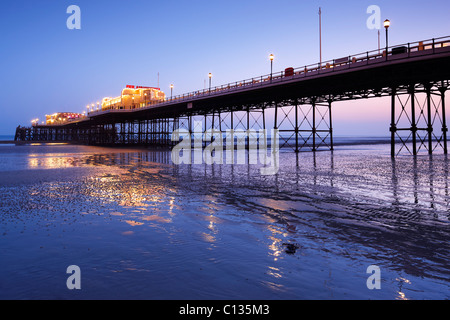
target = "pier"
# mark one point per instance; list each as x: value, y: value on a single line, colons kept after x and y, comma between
x: 414, y: 75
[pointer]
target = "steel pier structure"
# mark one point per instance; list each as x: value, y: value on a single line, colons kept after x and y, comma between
x: 298, y: 102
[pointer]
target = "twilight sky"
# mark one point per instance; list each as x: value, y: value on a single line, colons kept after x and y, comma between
x: 45, y: 67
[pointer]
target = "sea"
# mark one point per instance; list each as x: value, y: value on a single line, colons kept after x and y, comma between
x: 89, y: 222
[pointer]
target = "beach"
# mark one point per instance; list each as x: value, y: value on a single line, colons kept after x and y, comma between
x: 140, y: 227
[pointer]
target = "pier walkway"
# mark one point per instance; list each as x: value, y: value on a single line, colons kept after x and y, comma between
x: 414, y: 75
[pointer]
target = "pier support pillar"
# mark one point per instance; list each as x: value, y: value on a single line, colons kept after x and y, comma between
x: 422, y: 109
x: 306, y: 124
x: 314, y: 128
x: 429, y: 119
x: 330, y: 124
x: 411, y: 91
x: 393, y: 127
x: 297, y: 150
x: 442, y: 90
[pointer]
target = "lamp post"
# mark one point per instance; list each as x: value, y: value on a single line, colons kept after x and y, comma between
x: 171, y: 91
x: 320, y: 35
x: 98, y: 105
x: 271, y: 57
x: 387, y: 23
x: 210, y: 76
x: 87, y: 107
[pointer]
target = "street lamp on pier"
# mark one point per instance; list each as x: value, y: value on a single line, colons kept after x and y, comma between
x: 387, y: 23
x: 210, y: 76
x: 271, y: 57
x: 171, y: 91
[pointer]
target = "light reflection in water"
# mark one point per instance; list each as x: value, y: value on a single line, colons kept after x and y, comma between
x: 131, y: 180
x: 50, y: 161
x: 275, y: 247
x: 401, y: 282
x: 130, y: 172
x: 311, y: 193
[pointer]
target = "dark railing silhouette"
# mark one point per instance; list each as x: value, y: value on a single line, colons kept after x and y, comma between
x: 395, y: 52
x: 311, y: 115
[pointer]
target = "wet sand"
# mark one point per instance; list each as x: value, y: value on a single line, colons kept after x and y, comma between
x: 140, y: 227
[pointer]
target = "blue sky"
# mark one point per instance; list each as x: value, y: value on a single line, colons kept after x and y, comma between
x: 45, y: 67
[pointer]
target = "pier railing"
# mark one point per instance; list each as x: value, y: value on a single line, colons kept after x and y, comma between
x: 378, y: 56
x: 397, y: 52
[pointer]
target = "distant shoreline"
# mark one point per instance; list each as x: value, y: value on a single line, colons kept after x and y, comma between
x: 337, y: 141
x: 9, y: 141
x: 21, y: 142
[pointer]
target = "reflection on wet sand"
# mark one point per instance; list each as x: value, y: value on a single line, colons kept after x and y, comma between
x: 422, y: 183
x: 131, y: 171
x: 363, y: 208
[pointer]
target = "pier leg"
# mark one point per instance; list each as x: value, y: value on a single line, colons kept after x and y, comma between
x: 231, y: 120
x: 331, y: 124
x: 147, y: 129
x: 413, y: 119
x: 122, y: 131
x: 296, y: 128
x: 248, y: 130
x: 444, y: 121
x: 212, y: 126
x: 314, y: 124
x: 275, y: 124
x: 264, y: 118
x: 205, y: 130
x: 139, y: 132
x: 393, y: 128
x: 429, y: 121
x: 190, y: 127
